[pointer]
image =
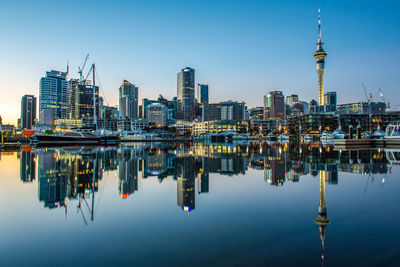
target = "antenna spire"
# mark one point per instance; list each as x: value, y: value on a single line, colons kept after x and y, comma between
x: 319, y: 26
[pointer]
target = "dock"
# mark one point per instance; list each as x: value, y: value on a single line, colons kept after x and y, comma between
x: 366, y: 143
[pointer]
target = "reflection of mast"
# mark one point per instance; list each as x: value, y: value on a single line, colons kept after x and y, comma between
x: 322, y: 221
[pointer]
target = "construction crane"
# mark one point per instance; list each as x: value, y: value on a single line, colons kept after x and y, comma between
x: 80, y: 69
x: 369, y: 97
x: 384, y: 99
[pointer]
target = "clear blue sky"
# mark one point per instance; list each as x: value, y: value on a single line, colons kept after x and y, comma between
x: 242, y: 49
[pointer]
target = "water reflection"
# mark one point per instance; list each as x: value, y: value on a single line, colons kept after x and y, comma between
x: 75, y: 172
x: 72, y: 176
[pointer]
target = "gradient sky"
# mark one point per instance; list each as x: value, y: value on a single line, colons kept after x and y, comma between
x: 242, y: 49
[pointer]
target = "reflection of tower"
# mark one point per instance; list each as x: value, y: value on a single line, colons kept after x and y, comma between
x: 320, y: 56
x: 185, y: 183
x: 204, y: 178
x: 128, y: 176
x: 322, y: 221
x: 27, y: 166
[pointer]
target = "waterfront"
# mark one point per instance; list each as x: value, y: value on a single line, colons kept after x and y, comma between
x: 182, y: 204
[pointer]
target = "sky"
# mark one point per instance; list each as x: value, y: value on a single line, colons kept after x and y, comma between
x: 241, y: 49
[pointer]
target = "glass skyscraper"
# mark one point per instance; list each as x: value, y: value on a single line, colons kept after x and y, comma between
x: 128, y: 100
x: 202, y: 93
x: 185, y: 94
x: 53, y: 94
x: 28, y: 111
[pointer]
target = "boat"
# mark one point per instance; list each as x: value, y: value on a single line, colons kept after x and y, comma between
x: 326, y: 138
x: 133, y: 136
x: 339, y: 134
x: 67, y: 138
x: 392, y: 131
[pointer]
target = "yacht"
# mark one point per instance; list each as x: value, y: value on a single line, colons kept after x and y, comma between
x: 326, y: 138
x: 133, y: 136
x: 392, y: 131
x: 339, y: 134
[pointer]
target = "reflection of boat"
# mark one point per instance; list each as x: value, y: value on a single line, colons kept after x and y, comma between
x: 393, y: 156
x: 271, y: 137
x: 283, y: 138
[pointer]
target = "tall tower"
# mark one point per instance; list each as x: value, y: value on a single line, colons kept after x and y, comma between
x: 185, y: 94
x: 322, y: 221
x: 320, y: 56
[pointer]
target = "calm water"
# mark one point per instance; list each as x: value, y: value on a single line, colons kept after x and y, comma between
x: 169, y: 205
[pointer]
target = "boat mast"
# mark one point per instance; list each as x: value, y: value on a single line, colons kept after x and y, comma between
x: 94, y: 98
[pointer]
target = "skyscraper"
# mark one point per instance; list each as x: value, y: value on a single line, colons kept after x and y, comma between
x: 53, y: 94
x: 84, y: 104
x: 128, y: 100
x: 28, y: 111
x: 202, y: 93
x: 320, y: 56
x: 185, y: 94
x: 274, y: 104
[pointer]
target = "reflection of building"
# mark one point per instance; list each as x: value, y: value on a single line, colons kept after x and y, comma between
x: 128, y: 174
x: 185, y: 174
x: 274, y: 171
x: 53, y: 175
x: 322, y: 221
x: 27, y: 166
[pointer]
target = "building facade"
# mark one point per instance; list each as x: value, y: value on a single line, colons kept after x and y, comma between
x: 157, y: 113
x: 53, y: 94
x: 229, y: 110
x: 202, y: 93
x: 128, y: 100
x: 28, y: 111
x: 274, y: 105
x: 185, y: 94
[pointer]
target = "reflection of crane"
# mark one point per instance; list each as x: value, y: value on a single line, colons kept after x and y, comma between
x: 80, y: 69
x: 384, y: 99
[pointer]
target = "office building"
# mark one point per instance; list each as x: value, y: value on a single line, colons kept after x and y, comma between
x: 84, y: 104
x: 53, y: 94
x: 185, y: 94
x: 28, y: 111
x: 202, y: 93
x: 157, y: 113
x: 292, y: 99
x: 274, y: 104
x: 128, y: 100
x: 229, y: 110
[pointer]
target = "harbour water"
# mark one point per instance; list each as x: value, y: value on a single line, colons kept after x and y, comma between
x: 199, y: 205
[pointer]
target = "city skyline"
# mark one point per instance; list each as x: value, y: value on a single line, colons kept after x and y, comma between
x: 252, y: 54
